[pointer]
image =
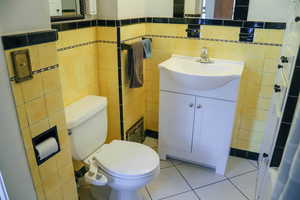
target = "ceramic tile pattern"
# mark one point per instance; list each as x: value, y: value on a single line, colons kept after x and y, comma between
x: 40, y: 106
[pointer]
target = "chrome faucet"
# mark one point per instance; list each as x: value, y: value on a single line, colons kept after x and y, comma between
x: 204, y: 56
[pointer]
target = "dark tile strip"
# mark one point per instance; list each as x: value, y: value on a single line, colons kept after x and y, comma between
x: 28, y: 39
x: 174, y: 20
x: 244, y: 154
x: 40, y: 71
x: 120, y: 81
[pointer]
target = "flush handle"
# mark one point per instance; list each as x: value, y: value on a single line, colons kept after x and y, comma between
x: 191, y: 105
x: 199, y: 106
x: 277, y: 88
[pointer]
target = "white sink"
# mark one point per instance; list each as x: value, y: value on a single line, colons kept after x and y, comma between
x: 191, y: 74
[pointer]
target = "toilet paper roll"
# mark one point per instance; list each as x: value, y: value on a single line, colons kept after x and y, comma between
x: 47, y: 148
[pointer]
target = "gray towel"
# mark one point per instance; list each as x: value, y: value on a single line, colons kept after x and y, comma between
x: 147, y: 48
x: 135, y: 65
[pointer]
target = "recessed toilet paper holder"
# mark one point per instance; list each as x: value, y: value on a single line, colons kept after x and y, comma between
x: 50, y: 133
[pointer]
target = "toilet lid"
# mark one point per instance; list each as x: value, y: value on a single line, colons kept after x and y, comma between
x: 127, y: 158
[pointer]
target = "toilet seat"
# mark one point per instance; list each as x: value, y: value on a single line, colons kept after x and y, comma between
x: 127, y: 160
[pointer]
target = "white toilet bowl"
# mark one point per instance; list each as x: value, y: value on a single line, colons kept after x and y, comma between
x: 127, y: 166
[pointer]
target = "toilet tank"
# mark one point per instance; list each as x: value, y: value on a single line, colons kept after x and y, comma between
x: 87, y: 124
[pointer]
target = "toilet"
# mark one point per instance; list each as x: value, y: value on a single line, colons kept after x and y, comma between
x: 124, y: 166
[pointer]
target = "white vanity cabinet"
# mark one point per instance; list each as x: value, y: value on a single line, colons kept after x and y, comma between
x: 197, y: 109
x: 196, y: 129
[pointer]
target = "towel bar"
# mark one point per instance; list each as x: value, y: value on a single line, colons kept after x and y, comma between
x: 128, y: 46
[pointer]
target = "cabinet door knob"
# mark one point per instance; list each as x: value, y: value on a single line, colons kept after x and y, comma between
x: 191, y: 105
x: 280, y: 66
x: 199, y: 106
x: 297, y: 19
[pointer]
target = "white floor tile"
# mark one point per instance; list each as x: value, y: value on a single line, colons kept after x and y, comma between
x: 185, y: 196
x: 254, y: 163
x: 165, y: 164
x: 199, y: 176
x: 237, y: 166
x: 176, y: 162
x: 169, y: 182
x: 220, y: 191
x: 246, y: 183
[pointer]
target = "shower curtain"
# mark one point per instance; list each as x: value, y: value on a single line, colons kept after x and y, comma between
x: 288, y: 182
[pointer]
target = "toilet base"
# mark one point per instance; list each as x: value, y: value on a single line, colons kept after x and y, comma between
x: 125, y: 195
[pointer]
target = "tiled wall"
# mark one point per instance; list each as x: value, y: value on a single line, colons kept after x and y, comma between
x: 39, y: 104
x: 133, y: 99
x: 77, y: 55
x: 108, y: 77
x: 88, y: 62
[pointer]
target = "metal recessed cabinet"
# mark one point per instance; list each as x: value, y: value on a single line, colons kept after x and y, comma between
x: 196, y: 129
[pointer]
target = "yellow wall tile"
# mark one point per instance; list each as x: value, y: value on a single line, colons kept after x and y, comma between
x: 39, y: 127
x: 54, y: 102
x: 220, y: 32
x: 36, y: 110
x: 32, y: 89
x: 107, y: 33
x: 47, y: 54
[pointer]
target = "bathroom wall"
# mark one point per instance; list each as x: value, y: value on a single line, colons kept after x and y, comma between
x: 39, y: 105
x: 88, y: 61
x: 277, y: 10
x: 133, y: 99
x: 77, y: 57
x: 15, y: 15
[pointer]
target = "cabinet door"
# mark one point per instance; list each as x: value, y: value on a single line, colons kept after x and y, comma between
x: 176, y: 118
x: 213, y: 126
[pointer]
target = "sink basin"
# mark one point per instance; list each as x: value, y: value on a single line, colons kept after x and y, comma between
x: 190, y: 73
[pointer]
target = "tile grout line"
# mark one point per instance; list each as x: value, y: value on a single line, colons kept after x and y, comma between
x: 244, y: 173
x: 186, y: 182
x: 148, y: 192
x: 236, y: 187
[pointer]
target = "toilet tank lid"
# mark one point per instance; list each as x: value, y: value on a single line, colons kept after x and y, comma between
x: 83, y: 109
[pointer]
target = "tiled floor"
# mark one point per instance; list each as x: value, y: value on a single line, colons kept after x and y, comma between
x: 183, y: 181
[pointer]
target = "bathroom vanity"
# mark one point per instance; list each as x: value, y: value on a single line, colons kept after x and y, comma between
x: 197, y: 109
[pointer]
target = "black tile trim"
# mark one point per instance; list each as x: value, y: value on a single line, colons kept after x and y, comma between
x: 151, y: 133
x: 28, y: 39
x: 119, y: 67
x: 124, y: 22
x: 244, y: 154
x: 39, y: 71
x: 233, y: 151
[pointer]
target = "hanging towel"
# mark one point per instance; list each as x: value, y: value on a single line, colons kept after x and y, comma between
x: 288, y: 182
x: 147, y: 48
x: 135, y: 65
